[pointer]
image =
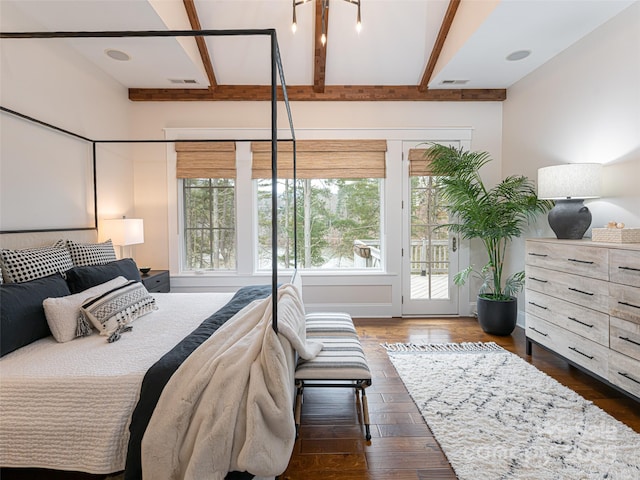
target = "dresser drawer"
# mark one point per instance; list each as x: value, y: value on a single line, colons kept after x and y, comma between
x: 571, y: 258
x: 157, y: 281
x: 583, y: 352
x: 625, y: 337
x: 571, y: 288
x: 584, y: 321
x: 624, y: 372
x: 624, y: 267
x: 624, y: 302
x: 540, y: 331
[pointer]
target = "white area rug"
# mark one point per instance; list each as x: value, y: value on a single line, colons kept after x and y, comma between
x: 498, y: 417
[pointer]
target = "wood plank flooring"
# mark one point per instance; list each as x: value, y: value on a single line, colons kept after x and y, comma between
x: 331, y: 445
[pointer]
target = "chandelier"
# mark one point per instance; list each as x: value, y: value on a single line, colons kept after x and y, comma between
x: 325, y: 8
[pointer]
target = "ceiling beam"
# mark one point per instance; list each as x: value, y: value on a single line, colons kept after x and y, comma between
x: 190, y: 7
x: 319, y: 50
x: 439, y: 43
x: 308, y: 93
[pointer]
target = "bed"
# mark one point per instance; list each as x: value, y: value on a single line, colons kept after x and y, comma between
x: 146, y: 397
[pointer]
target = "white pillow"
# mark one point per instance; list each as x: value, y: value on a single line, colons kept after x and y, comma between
x: 63, y: 313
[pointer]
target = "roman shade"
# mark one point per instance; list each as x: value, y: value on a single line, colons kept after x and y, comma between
x: 322, y: 159
x: 206, y: 160
x: 419, y: 164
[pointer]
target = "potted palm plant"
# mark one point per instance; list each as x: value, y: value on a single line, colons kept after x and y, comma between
x: 493, y: 215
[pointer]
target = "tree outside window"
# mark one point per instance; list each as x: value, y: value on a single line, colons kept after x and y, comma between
x: 209, y: 224
x: 338, y: 223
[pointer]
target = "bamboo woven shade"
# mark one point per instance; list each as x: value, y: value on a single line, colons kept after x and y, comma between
x: 323, y: 159
x: 419, y: 164
x: 206, y: 160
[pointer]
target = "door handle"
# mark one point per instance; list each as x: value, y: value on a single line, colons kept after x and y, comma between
x: 454, y: 245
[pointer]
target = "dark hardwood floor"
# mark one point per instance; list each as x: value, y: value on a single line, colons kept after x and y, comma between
x: 331, y: 445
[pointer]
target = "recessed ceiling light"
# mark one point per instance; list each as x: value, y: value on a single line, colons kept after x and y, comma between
x: 117, y: 55
x: 518, y: 55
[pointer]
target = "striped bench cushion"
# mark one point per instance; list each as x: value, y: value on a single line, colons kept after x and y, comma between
x: 326, y: 324
x: 341, y: 358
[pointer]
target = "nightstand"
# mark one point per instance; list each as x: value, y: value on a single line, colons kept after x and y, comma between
x: 157, y: 281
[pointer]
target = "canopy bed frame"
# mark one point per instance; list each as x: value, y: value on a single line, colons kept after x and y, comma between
x: 276, y: 72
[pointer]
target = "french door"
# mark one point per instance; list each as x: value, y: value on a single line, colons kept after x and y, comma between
x: 430, y: 252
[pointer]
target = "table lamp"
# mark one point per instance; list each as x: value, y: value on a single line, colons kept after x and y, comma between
x: 123, y: 231
x: 569, y: 185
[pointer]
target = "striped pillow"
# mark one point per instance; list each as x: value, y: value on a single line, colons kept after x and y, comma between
x: 113, y: 311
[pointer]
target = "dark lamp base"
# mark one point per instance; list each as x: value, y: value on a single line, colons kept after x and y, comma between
x: 569, y: 219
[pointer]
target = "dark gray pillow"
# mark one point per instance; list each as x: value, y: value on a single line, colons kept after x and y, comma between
x: 81, y: 278
x: 21, y: 313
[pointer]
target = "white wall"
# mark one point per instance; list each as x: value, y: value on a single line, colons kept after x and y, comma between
x: 49, y: 81
x: 361, y: 118
x: 582, y: 106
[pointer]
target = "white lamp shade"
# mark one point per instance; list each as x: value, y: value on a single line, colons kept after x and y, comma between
x: 573, y: 180
x: 123, y: 231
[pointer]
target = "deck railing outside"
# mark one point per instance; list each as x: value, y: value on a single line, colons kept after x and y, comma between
x: 427, y: 257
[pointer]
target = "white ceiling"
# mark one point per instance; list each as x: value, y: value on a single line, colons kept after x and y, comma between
x: 392, y: 49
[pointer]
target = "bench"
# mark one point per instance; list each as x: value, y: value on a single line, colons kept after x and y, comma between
x: 340, y: 363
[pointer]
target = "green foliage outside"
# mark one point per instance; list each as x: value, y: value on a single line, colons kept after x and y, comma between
x: 332, y: 213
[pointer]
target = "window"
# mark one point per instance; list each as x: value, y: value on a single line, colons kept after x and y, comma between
x: 339, y: 207
x: 208, y: 171
x: 209, y: 224
x: 338, y: 223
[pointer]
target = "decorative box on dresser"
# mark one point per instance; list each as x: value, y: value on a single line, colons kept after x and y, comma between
x: 582, y: 301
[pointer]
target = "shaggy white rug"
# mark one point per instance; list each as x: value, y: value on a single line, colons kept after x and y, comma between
x: 498, y: 417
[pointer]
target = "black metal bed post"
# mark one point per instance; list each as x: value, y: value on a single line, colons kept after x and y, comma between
x: 274, y: 183
x: 95, y: 186
x: 295, y: 208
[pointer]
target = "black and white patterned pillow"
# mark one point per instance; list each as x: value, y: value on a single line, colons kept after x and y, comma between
x: 91, y: 253
x: 30, y: 263
x: 113, y: 311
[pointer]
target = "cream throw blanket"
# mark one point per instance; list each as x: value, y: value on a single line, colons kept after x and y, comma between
x: 229, y: 407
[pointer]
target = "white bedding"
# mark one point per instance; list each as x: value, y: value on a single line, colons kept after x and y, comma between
x: 67, y: 406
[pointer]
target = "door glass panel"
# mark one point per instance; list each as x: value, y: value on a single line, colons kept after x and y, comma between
x: 429, y: 245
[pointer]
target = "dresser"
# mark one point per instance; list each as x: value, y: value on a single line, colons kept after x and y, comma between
x: 582, y: 301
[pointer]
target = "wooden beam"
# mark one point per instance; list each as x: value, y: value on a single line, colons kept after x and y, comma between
x: 319, y: 50
x: 190, y: 7
x: 439, y: 43
x: 308, y: 93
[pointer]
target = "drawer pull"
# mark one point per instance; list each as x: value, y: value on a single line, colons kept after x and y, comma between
x: 539, y: 306
x: 538, y: 331
x: 630, y: 268
x: 590, y: 357
x: 580, y: 291
x: 537, y: 280
x: 533, y: 254
x: 580, y: 261
x: 629, y: 377
x: 629, y: 304
x: 581, y: 323
x: 627, y: 339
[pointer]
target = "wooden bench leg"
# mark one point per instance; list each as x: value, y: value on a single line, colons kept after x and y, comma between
x: 365, y: 410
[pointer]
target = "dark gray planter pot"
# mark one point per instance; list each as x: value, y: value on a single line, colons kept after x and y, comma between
x: 497, y: 317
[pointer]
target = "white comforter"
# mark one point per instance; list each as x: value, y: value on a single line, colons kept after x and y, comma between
x: 67, y: 406
x: 230, y: 405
